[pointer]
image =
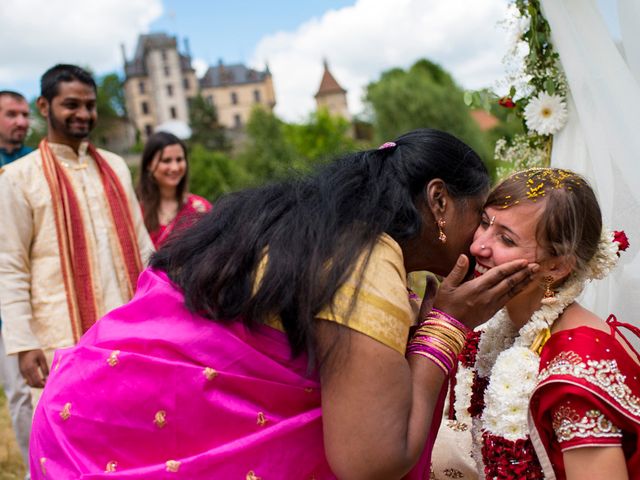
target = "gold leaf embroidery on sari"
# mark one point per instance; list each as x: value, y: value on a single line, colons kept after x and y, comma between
x: 111, y: 467
x: 603, y: 374
x: 113, y: 358
x: 160, y: 418
x: 173, y: 466
x: 66, y: 411
x: 568, y: 425
x: 262, y: 420
x: 209, y: 373
x: 43, y: 460
x: 252, y: 476
x: 457, y: 426
x: 452, y: 473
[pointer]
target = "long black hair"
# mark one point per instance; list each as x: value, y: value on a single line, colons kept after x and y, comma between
x: 147, y: 188
x: 314, y: 230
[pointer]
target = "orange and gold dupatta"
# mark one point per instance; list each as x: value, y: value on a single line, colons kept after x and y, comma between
x: 78, y: 272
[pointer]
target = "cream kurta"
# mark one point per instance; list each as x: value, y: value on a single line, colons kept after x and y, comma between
x: 32, y: 294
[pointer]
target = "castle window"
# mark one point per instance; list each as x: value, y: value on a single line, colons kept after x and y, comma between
x: 167, y: 71
x: 170, y: 90
x: 173, y: 112
x: 234, y: 98
x: 210, y: 99
x: 237, y: 120
x: 148, y: 130
x: 141, y: 87
x: 256, y: 96
x: 185, y: 83
x: 163, y: 53
x: 145, y: 108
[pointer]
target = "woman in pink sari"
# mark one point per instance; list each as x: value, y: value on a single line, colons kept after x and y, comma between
x: 270, y: 340
x: 162, y: 188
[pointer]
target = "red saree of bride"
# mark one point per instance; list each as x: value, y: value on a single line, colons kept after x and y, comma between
x: 588, y: 396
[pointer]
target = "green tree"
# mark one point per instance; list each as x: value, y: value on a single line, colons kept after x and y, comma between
x: 214, y: 173
x: 205, y: 128
x: 321, y: 138
x: 267, y: 154
x: 425, y: 95
x: 37, y: 126
x: 110, y: 104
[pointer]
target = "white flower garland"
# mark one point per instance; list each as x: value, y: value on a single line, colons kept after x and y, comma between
x: 505, y: 357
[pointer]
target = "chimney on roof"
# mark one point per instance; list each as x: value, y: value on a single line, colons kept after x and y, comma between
x: 124, y: 53
x: 187, y: 50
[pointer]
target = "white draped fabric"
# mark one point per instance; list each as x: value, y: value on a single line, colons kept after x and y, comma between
x: 602, y: 137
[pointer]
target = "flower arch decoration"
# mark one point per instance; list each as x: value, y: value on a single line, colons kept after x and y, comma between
x: 537, y: 89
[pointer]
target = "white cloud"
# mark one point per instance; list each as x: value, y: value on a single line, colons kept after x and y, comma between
x: 36, y: 34
x: 200, y: 65
x: 363, y: 40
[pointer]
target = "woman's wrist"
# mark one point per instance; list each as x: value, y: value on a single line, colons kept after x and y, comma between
x: 440, y: 338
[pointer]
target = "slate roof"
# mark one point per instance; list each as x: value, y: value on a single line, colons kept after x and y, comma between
x: 223, y: 75
x: 153, y: 41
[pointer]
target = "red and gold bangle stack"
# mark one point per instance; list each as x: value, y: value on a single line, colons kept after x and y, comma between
x: 440, y: 338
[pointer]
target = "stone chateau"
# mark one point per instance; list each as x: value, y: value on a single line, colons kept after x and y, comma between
x: 160, y: 81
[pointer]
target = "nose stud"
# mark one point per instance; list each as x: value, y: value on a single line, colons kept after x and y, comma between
x: 482, y: 247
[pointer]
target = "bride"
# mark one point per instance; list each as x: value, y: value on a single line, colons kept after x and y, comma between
x: 546, y: 389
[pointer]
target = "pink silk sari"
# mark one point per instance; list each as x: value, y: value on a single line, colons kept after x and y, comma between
x: 153, y: 391
x: 193, y: 208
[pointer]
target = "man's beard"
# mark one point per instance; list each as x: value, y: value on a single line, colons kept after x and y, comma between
x: 14, y: 141
x: 63, y: 127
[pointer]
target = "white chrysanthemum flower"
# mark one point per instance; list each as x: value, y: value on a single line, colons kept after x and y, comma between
x: 605, y: 258
x: 546, y: 114
x: 462, y: 393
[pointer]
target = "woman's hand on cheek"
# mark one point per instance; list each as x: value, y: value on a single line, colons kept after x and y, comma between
x: 476, y: 301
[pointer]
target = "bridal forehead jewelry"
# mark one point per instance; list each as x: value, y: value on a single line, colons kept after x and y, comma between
x: 540, y: 180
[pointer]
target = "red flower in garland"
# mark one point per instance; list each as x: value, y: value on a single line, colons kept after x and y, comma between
x: 506, y: 102
x: 507, y: 460
x: 478, y: 388
x: 622, y: 240
x: 468, y: 355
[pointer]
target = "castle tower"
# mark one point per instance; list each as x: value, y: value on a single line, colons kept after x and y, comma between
x: 331, y: 95
x: 159, y: 82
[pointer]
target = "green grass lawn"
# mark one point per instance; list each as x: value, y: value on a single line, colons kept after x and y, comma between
x: 11, y: 466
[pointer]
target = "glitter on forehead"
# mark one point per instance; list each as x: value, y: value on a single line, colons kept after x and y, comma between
x: 541, y: 180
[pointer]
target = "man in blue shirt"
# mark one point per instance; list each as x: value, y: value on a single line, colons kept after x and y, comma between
x: 14, y: 124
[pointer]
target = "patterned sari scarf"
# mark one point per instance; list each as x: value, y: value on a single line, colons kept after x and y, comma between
x: 78, y: 271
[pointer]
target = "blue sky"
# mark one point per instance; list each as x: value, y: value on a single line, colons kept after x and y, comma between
x: 231, y: 30
x: 360, y: 39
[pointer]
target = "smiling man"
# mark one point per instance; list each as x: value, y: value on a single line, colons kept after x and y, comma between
x: 73, y: 240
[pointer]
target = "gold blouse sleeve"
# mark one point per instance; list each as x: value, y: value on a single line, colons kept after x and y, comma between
x: 382, y: 309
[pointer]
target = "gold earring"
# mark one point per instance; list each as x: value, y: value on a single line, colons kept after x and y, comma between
x: 441, y: 235
x: 549, y: 294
